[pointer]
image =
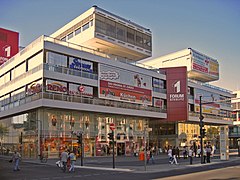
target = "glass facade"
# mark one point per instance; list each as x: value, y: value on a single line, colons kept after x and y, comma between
x: 122, y: 32
x: 49, y: 131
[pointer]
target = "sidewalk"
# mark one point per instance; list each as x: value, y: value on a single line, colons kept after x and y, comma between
x: 136, y: 166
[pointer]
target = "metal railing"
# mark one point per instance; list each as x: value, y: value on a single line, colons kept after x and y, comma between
x: 211, y: 116
x: 43, y: 38
x: 78, y: 99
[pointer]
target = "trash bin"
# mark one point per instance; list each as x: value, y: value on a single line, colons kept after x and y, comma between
x: 141, y: 156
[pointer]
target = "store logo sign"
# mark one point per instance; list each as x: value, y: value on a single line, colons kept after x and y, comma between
x: 57, y: 87
x: 176, y: 96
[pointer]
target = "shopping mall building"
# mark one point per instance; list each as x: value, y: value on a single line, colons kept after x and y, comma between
x: 86, y: 76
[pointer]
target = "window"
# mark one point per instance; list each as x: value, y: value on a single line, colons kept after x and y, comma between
x: 120, y: 32
x: 56, y: 59
x: 110, y: 28
x: 147, y: 42
x: 100, y: 24
x: 70, y: 35
x: 86, y: 26
x: 139, y: 39
x: 64, y: 38
x: 130, y: 36
x: 77, y: 31
x: 19, y: 70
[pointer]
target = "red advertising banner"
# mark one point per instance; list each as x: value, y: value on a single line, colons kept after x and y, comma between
x: 177, y: 99
x: 123, y: 92
x: 9, y: 41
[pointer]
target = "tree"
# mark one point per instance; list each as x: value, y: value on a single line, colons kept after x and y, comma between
x: 3, y: 131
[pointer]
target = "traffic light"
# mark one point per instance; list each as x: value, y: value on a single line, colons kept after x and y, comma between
x: 203, y: 133
x: 79, y: 137
x: 110, y: 136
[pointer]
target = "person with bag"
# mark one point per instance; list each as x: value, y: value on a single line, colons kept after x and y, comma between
x: 16, y: 158
x: 72, y: 158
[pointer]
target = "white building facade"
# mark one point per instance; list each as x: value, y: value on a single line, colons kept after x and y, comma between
x: 84, y: 78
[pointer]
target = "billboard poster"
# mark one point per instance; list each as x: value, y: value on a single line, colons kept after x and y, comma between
x: 122, y: 85
x: 204, y: 64
x: 9, y: 42
x: 177, y: 100
x: 210, y: 107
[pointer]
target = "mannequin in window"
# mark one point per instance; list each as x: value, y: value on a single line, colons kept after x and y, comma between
x: 54, y: 120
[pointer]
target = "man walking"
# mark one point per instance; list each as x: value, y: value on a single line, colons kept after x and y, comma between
x: 174, y: 156
x: 16, y: 158
x: 64, y: 157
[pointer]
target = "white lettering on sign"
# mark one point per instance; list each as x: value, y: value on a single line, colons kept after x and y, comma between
x: 7, y: 49
x: 176, y: 97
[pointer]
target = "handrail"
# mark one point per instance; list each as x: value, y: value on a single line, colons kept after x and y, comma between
x: 43, y: 38
x: 79, y: 99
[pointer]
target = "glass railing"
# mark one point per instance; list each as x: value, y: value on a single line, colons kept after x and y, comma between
x: 43, y: 38
x: 210, y: 86
x: 211, y: 116
x: 76, y: 99
x: 69, y: 71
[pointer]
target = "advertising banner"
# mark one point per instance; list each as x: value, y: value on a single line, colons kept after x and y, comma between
x: 80, y: 64
x: 204, y: 64
x: 56, y: 86
x: 80, y: 90
x: 8, y: 44
x: 122, y: 85
x: 208, y: 104
x: 74, y: 89
x: 177, y: 100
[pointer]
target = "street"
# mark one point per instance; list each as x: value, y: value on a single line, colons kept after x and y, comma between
x: 225, y: 173
x: 103, y: 170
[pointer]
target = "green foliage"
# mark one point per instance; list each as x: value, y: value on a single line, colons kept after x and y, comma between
x: 3, y: 130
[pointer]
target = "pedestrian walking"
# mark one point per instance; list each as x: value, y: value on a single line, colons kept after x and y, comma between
x: 208, y: 150
x: 185, y: 152
x: 15, y: 159
x: 64, y: 157
x: 72, y: 158
x: 177, y: 153
x: 152, y: 157
x: 204, y: 154
x: 190, y: 154
x: 170, y: 154
x: 174, y: 156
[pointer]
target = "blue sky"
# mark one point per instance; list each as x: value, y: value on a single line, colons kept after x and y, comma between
x: 211, y: 27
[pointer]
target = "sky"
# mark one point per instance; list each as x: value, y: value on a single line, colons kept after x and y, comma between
x: 211, y: 27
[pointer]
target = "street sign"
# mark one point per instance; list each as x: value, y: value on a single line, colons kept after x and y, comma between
x: 112, y: 126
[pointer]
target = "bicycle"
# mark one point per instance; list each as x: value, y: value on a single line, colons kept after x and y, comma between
x: 43, y: 158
